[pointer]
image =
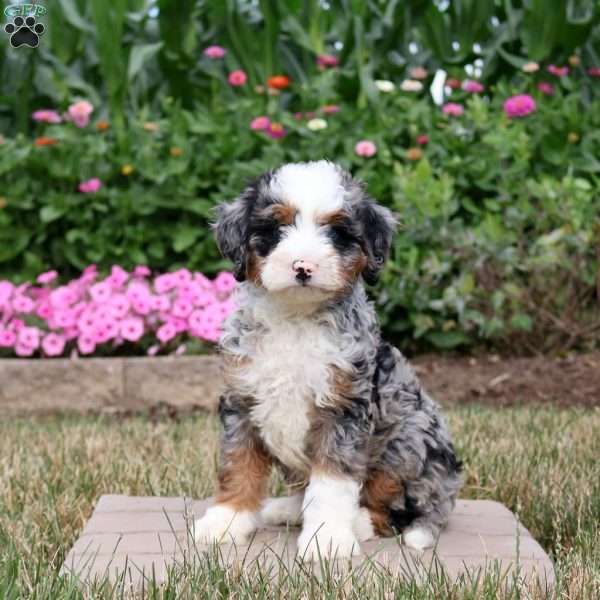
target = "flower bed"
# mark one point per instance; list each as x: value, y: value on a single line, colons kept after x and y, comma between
x: 123, y: 313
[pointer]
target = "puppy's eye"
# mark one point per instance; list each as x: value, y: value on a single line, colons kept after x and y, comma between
x: 342, y: 236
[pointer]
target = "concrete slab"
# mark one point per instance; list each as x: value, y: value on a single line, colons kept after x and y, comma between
x: 142, y: 538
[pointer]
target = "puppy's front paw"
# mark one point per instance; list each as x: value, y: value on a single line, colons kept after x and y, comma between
x: 327, y: 542
x: 418, y: 538
x: 222, y: 524
x: 282, y: 511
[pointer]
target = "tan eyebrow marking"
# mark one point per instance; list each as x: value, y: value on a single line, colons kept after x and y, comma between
x: 284, y: 213
x: 336, y: 217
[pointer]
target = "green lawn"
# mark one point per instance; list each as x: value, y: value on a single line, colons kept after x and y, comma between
x: 542, y: 463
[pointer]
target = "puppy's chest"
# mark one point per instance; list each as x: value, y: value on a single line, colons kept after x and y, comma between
x: 288, y: 375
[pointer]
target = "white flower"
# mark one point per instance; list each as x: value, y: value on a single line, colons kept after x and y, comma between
x: 411, y: 85
x: 385, y: 86
x: 316, y: 124
x: 530, y: 67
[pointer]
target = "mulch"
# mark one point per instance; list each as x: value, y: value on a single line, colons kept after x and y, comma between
x: 573, y: 380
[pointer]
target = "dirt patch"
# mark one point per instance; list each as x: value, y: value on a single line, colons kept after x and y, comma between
x: 491, y: 380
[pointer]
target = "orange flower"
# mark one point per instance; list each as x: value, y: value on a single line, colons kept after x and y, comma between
x: 102, y: 125
x: 278, y: 82
x: 175, y: 151
x: 45, y: 141
x: 150, y: 126
x: 414, y: 154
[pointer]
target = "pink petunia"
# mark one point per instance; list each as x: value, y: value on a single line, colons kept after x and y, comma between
x: 118, y: 305
x: 64, y: 318
x: 117, y: 277
x: 44, y: 310
x: 546, y: 88
x: 153, y: 350
x: 166, y: 333
x: 132, y: 329
x: 138, y: 291
x: 519, y: 106
x: 21, y: 350
x: 224, y: 282
x: 23, y: 304
x: 160, y: 303
x: 182, y: 308
x: 47, y: 277
x: 215, y: 52
x: 164, y: 283
x: 453, y: 109
x: 182, y: 276
x: 7, y: 338
x: 141, y: 271
x: 101, y: 292
x: 46, y: 116
x: 53, y: 344
x: 79, y: 113
x: 6, y: 290
x: 365, y: 148
x: 86, y: 343
x: 473, y: 87
x: 327, y: 60
x: 63, y: 296
x: 141, y: 305
x: 29, y: 336
x: 260, y: 123
x: 237, y: 78
x: 558, y: 71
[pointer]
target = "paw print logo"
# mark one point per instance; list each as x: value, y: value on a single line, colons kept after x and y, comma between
x: 24, y: 32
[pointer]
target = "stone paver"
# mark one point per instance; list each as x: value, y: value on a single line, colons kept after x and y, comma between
x: 145, y: 536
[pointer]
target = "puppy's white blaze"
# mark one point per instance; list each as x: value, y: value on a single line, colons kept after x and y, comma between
x: 282, y: 511
x: 222, y: 524
x: 330, y: 510
x: 313, y: 187
x: 418, y: 538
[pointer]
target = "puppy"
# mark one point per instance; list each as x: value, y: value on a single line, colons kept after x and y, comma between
x: 310, y: 385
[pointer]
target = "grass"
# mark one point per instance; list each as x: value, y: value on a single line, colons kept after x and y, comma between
x: 542, y: 463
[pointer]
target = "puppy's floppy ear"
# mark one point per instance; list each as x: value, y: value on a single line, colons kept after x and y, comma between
x: 230, y: 229
x: 377, y: 226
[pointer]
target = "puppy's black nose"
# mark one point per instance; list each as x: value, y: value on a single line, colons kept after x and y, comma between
x: 304, y: 270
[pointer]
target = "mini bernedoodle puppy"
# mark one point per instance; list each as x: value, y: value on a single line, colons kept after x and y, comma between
x: 310, y: 385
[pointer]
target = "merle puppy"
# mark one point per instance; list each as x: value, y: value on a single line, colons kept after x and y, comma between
x: 310, y: 385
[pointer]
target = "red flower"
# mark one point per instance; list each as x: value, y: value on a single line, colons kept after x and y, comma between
x: 278, y: 82
x: 422, y: 139
x: 45, y: 141
x: 454, y: 84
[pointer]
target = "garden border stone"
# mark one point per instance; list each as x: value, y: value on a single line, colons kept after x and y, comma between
x: 108, y: 384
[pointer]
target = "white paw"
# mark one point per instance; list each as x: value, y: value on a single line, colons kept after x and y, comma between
x: 327, y: 542
x: 418, y: 538
x: 222, y: 524
x: 282, y: 511
x: 363, y: 526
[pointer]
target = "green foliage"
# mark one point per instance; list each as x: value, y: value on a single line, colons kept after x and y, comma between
x: 498, y: 217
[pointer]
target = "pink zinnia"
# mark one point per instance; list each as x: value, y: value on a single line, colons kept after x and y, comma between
x: 594, y: 71
x: 260, y: 123
x: 90, y: 186
x: 474, y: 87
x: 519, y: 106
x: 558, y: 71
x: 79, y: 112
x: 46, y: 116
x: 327, y: 60
x: 365, y: 148
x: 546, y: 88
x: 275, y: 131
x: 47, y: 277
x: 215, y: 52
x: 53, y: 344
x: 237, y: 78
x: 132, y: 329
x: 453, y: 109
x: 422, y: 139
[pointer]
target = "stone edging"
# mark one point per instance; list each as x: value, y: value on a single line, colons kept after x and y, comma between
x: 108, y: 384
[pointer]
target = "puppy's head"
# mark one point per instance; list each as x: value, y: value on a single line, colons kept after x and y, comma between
x: 308, y: 230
